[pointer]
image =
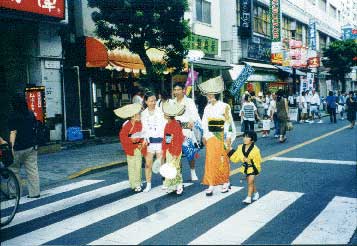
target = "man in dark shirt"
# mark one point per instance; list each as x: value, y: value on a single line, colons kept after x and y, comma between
x: 22, y: 123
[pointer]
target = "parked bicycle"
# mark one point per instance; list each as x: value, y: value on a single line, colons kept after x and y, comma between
x: 9, y: 187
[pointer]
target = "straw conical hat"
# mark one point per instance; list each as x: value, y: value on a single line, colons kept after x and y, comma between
x: 212, y: 86
x: 172, y: 108
x: 128, y: 110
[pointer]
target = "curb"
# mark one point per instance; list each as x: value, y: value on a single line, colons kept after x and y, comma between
x: 95, y: 169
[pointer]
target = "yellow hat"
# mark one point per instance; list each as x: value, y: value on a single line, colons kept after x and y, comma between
x: 212, y: 86
x: 173, y: 109
x: 128, y: 111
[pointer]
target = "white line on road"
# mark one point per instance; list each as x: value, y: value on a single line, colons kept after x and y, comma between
x: 61, y: 228
x: 243, y: 224
x: 57, y: 190
x: 314, y: 161
x: 142, y: 230
x: 53, y: 207
x: 334, y: 225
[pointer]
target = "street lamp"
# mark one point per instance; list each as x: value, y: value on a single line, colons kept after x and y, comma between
x: 192, y: 56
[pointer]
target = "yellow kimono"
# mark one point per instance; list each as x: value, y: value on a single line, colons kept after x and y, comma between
x: 254, y: 158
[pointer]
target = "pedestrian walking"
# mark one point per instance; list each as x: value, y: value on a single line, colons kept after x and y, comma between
x: 266, y: 126
x: 22, y: 126
x: 249, y: 154
x: 315, y: 106
x: 260, y: 105
x: 273, y: 115
x: 189, y: 120
x: 132, y: 145
x: 249, y: 112
x: 154, y: 123
x: 351, y: 105
x: 331, y: 101
x: 218, y: 133
x: 282, y: 110
x: 341, y: 104
x: 172, y: 145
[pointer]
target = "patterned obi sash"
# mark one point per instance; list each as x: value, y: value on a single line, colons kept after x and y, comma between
x: 215, y: 125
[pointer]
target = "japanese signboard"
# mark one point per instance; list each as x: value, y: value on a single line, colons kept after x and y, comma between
x: 275, y: 16
x: 313, y: 62
x: 349, y: 33
x: 206, y: 44
x: 259, y: 49
x: 277, y: 58
x: 312, y: 35
x: 241, y: 79
x: 246, y: 18
x: 35, y: 102
x: 52, y: 8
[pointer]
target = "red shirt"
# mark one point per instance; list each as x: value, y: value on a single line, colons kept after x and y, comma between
x: 127, y: 143
x: 174, y: 129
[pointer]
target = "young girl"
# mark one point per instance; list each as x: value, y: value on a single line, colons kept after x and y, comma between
x: 153, y: 122
x: 266, y: 126
x: 172, y: 144
x: 249, y: 154
x: 133, y: 147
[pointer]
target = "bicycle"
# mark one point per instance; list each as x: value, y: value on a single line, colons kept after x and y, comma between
x: 9, y: 187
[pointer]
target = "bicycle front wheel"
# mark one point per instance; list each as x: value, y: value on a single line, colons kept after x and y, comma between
x: 9, y: 196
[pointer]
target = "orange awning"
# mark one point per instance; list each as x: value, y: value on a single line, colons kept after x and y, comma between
x: 99, y: 56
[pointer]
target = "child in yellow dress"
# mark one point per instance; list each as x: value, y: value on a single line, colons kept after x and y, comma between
x: 249, y: 154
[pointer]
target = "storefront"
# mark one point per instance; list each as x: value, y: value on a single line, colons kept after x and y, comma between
x: 31, y: 57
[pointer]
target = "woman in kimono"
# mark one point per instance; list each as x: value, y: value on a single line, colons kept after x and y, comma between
x: 172, y: 145
x: 218, y: 133
x: 132, y: 146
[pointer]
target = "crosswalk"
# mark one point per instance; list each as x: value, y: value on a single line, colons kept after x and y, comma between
x: 109, y: 214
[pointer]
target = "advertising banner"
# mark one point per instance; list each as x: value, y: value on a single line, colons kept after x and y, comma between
x: 36, y: 102
x: 242, y: 78
x: 246, y: 18
x: 313, y: 62
x: 312, y: 34
x: 206, y: 44
x: 310, y: 81
x: 275, y: 17
x: 52, y: 8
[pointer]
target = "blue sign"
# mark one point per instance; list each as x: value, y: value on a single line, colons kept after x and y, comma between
x: 242, y: 78
x: 349, y: 33
x: 312, y: 35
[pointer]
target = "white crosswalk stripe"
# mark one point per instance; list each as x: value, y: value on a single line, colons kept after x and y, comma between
x: 334, y: 225
x: 248, y: 220
x: 67, y: 203
x: 161, y: 220
x: 77, y: 222
x: 57, y: 190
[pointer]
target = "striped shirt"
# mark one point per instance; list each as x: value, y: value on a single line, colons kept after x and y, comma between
x: 248, y: 109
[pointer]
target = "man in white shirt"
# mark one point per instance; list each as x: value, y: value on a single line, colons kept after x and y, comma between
x: 188, y: 120
x: 314, y: 106
x: 138, y: 97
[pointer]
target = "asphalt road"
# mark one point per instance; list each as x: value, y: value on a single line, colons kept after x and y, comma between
x: 308, y: 189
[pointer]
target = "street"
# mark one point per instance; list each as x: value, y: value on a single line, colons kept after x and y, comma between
x: 308, y: 190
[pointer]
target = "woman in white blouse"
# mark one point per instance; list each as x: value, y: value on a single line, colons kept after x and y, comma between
x: 153, y: 122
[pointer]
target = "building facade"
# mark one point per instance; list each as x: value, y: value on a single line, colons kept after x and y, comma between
x: 31, y: 59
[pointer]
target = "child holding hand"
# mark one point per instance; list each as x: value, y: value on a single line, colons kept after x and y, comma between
x: 249, y: 154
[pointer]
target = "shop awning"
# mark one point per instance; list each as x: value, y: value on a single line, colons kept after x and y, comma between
x: 97, y: 55
x: 212, y: 63
x: 262, y: 66
x: 290, y: 70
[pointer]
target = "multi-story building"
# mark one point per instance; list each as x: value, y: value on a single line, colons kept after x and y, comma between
x: 253, y: 46
x: 348, y: 14
x: 31, y: 55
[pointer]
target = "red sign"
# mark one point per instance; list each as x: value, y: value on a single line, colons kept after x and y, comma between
x: 53, y: 8
x: 34, y: 100
x: 314, y: 62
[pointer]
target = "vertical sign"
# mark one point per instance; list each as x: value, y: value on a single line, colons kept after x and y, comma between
x: 246, y: 18
x: 35, y: 102
x: 275, y: 16
x: 310, y: 81
x: 312, y: 34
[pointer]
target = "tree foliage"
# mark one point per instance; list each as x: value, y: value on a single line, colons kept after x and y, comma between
x: 140, y: 25
x: 340, y: 56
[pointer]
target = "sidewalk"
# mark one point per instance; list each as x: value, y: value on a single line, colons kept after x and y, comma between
x: 78, y: 159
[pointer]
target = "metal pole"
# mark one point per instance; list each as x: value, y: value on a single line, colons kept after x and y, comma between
x: 79, y: 96
x: 64, y: 109
x: 193, y: 82
x: 294, y: 80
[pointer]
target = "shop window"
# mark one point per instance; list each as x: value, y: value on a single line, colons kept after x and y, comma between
x: 203, y: 11
x: 261, y: 21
